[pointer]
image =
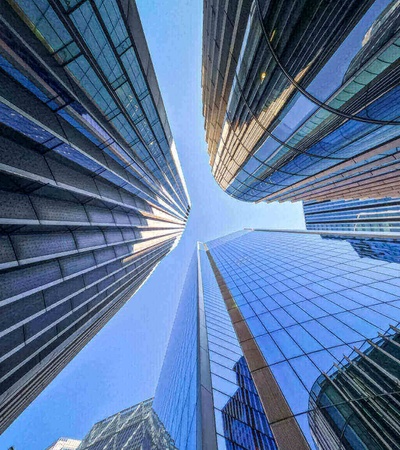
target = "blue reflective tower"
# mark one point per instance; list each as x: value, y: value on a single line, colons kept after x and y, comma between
x: 92, y: 196
x: 264, y: 315
x: 205, y: 397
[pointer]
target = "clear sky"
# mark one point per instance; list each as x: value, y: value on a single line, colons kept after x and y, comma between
x: 120, y: 366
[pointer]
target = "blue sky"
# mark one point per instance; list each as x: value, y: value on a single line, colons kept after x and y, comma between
x: 120, y: 366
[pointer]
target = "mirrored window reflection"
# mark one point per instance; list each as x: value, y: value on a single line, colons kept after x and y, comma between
x: 367, y: 31
x: 239, y: 416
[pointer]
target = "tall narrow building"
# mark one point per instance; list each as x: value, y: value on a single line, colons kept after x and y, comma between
x: 265, y: 317
x: 376, y: 215
x: 92, y: 195
x: 205, y: 396
x: 300, y: 98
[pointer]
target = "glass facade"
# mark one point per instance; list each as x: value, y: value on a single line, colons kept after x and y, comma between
x: 177, y: 395
x: 300, y: 99
x: 300, y: 303
x: 383, y: 249
x: 92, y: 195
x: 381, y: 215
x: 244, y: 421
x: 239, y: 416
x: 135, y: 428
x: 206, y: 397
x: 356, y: 404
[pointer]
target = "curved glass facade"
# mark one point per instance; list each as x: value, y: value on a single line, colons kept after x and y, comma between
x: 91, y: 192
x: 309, y: 106
x: 356, y: 404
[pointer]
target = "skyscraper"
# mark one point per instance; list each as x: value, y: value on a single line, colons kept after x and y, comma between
x: 205, y: 397
x: 135, y: 428
x: 91, y: 191
x: 377, y: 215
x: 64, y: 444
x: 280, y: 308
x: 300, y: 99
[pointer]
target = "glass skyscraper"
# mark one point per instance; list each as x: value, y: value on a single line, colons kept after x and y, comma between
x: 92, y: 196
x: 135, y: 428
x: 276, y: 310
x: 206, y: 397
x: 300, y: 98
x: 382, y: 215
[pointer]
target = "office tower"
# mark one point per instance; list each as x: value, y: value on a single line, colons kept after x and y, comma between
x: 65, y: 444
x: 382, y: 215
x: 92, y: 196
x: 300, y: 98
x: 356, y: 405
x: 135, y: 428
x: 297, y: 303
x: 206, y: 397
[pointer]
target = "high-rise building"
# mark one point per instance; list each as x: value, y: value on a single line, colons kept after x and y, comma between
x: 300, y: 98
x: 206, y: 397
x: 274, y: 310
x: 357, y: 403
x: 382, y: 215
x: 64, y: 444
x: 92, y: 196
x: 135, y: 428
